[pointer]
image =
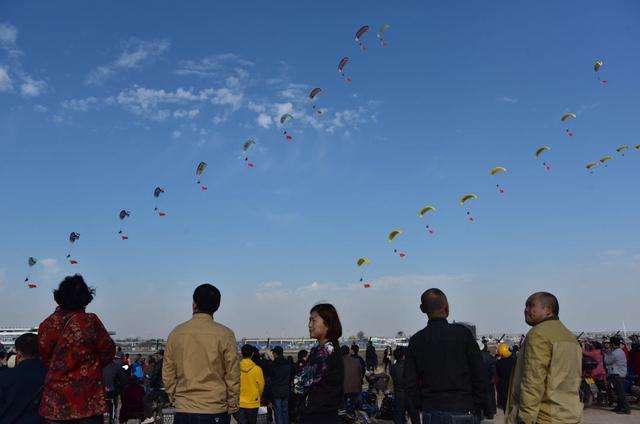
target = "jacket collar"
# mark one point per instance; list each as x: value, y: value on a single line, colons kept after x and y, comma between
x: 437, y: 321
x: 201, y: 316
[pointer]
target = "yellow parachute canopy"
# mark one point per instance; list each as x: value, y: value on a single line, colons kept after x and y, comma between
x: 363, y: 261
x: 605, y: 159
x: 497, y: 170
x: 567, y: 116
x: 598, y: 65
x: 541, y: 150
x: 503, y: 350
x: 622, y: 148
x: 393, y: 234
x: 426, y: 209
x: 637, y: 147
x: 591, y: 165
x: 464, y: 199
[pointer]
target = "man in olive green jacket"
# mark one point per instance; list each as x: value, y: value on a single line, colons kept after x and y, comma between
x: 546, y: 380
x: 201, y: 372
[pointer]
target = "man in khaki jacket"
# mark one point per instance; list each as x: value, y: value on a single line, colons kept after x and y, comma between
x: 548, y: 371
x: 200, y: 371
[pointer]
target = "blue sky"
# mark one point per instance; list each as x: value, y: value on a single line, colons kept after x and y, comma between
x: 101, y: 103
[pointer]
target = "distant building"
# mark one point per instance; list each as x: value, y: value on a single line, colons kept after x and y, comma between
x: 8, y: 335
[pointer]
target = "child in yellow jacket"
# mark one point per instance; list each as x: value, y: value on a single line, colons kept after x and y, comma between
x: 251, y: 387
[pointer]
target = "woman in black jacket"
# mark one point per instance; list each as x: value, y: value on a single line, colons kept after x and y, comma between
x: 320, y: 381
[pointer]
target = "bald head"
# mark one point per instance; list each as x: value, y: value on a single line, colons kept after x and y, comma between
x: 540, y: 307
x: 433, y: 302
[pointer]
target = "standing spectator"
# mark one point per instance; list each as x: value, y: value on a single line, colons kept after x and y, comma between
x: 403, y: 404
x: 372, y: 357
x: 444, y: 372
x: 137, y: 368
x: 490, y: 371
x: 386, y: 359
x: 321, y: 380
x: 593, y: 350
x: 504, y: 368
x: 115, y: 378
x: 21, y: 387
x: 548, y: 372
x: 251, y: 387
x: 352, y: 379
x: 3, y: 357
x: 355, y: 352
x: 634, y: 356
x: 74, y: 347
x: 616, y: 362
x: 200, y: 368
x: 132, y: 400
x: 126, y: 361
x: 297, y: 398
x: 280, y: 385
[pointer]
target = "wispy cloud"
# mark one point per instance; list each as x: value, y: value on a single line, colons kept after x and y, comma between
x: 13, y: 78
x: 8, y: 35
x: 507, y: 99
x: 213, y: 66
x: 271, y: 285
x: 135, y: 54
x: 81, y: 105
x: 5, y: 80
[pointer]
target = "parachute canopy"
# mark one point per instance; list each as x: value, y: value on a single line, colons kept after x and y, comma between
x: 247, y: 144
x: 32, y: 261
x: 622, y: 148
x: 464, y: 199
x: 124, y: 214
x: 342, y: 64
x: 158, y: 191
x: 363, y: 261
x: 314, y: 92
x: 393, y: 234
x: 382, y: 30
x: 637, y: 147
x: 598, y: 65
x: 541, y: 150
x: 200, y: 168
x: 286, y: 117
x: 591, y: 165
x: 361, y: 32
x: 567, y: 116
x: 73, y: 237
x: 497, y: 169
x: 605, y: 159
x: 425, y: 210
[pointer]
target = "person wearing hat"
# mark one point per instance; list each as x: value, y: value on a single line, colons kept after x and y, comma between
x: 616, y: 362
x: 504, y: 366
x: 280, y: 387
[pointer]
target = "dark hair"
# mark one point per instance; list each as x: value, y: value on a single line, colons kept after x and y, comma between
x: 207, y: 298
x: 27, y: 345
x: 302, y: 354
x: 355, y: 348
x: 247, y: 351
x: 160, y: 352
x: 344, y: 349
x: 596, y: 345
x: 549, y: 301
x: 73, y: 293
x: 433, y: 300
x: 331, y: 319
x: 616, y: 340
x: 278, y: 351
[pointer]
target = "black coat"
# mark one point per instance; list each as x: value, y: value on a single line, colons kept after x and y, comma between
x: 325, y: 397
x: 20, y: 392
x: 280, y: 378
x: 444, y: 369
x: 504, y: 368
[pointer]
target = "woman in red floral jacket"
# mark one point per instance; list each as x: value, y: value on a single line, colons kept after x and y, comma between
x: 74, y: 346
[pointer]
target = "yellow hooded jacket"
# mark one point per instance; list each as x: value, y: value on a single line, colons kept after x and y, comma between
x: 251, y: 384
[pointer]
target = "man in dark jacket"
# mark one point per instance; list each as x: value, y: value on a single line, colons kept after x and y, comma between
x: 21, y: 387
x: 372, y: 357
x: 444, y: 370
x: 280, y: 378
x: 489, y: 363
x: 403, y: 404
x: 355, y: 353
x: 352, y: 386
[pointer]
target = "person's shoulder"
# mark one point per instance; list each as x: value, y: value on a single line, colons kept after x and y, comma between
x: 224, y: 330
x: 180, y: 328
x: 417, y: 336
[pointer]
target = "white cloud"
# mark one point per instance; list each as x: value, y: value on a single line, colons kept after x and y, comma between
x: 8, y: 35
x: 264, y: 120
x: 271, y: 285
x: 213, y: 65
x: 255, y: 107
x: 152, y: 104
x: 182, y: 113
x: 507, y: 99
x: 282, y: 108
x: 5, y: 80
x: 80, y: 105
x: 176, y: 134
x: 32, y: 87
x: 49, y: 271
x: 227, y: 97
x: 40, y: 108
x: 136, y: 53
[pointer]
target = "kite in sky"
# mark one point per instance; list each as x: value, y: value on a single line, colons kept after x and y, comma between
x: 596, y: 67
x: 245, y: 148
x: 312, y: 96
x: 283, y: 120
x: 425, y: 210
x: 539, y: 153
x: 31, y: 262
x: 383, y: 29
x: 567, y: 117
x: 391, y: 237
x: 156, y: 194
x: 73, y: 237
x: 495, y: 171
x: 124, y: 214
x: 343, y: 62
x: 464, y: 199
x: 362, y: 262
x: 361, y: 33
x: 202, y: 166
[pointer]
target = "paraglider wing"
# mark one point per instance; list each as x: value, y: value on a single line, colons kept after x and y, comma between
x: 286, y: 117
x: 393, y: 234
x: 73, y: 237
x: 247, y: 145
x: 363, y: 261
x: 622, y: 148
x: 426, y: 209
x: 591, y: 165
x: 361, y: 32
x: 382, y: 30
x: 32, y: 261
x: 598, y: 65
x: 200, y: 168
x: 605, y: 159
x: 497, y: 170
x: 158, y: 191
x: 314, y: 92
x: 464, y: 199
x: 567, y: 116
x: 637, y: 147
x: 541, y: 150
x: 124, y: 214
x: 342, y: 64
